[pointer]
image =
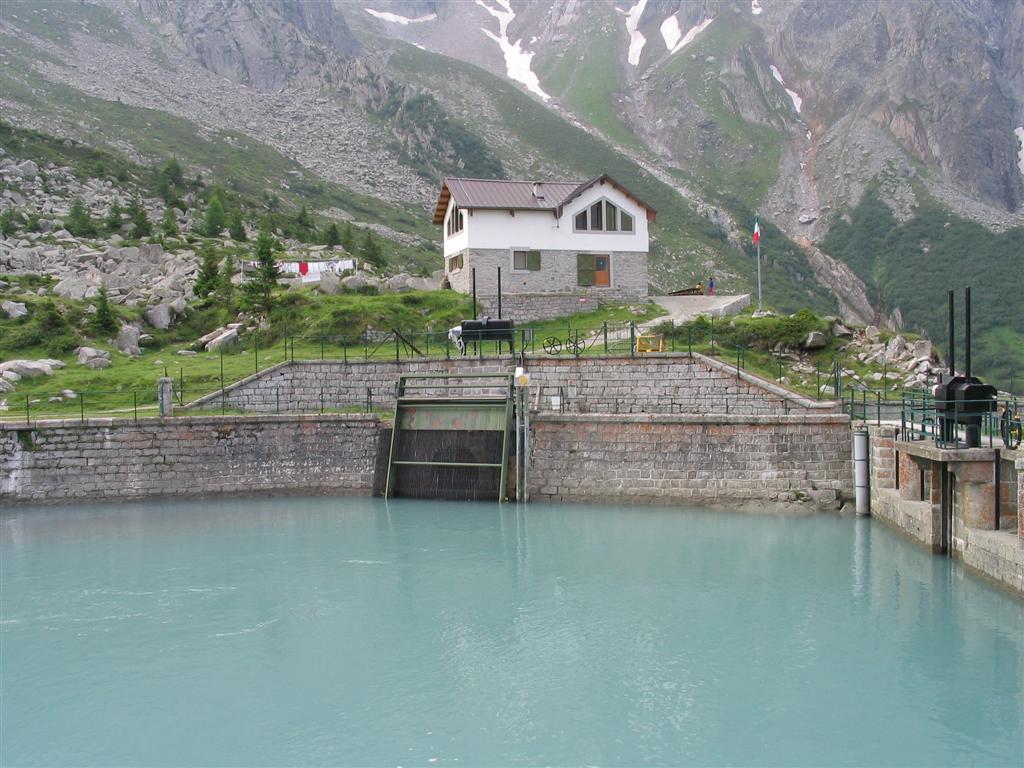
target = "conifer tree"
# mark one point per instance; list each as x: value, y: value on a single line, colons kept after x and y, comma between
x: 9, y: 221
x: 169, y: 224
x: 348, y: 240
x: 369, y: 250
x: 330, y: 236
x: 113, y: 221
x: 141, y: 226
x: 236, y: 227
x: 208, y: 279
x: 225, y: 282
x: 215, y: 218
x: 103, y: 321
x: 79, y: 223
x: 302, y: 221
x: 259, y: 289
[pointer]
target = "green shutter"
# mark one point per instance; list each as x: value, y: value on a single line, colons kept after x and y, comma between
x: 533, y: 261
x: 584, y: 269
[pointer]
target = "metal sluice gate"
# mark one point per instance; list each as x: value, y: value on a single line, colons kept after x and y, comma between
x: 452, y: 436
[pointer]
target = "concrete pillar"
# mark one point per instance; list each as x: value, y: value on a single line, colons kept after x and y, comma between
x: 165, y: 396
x: 976, y: 493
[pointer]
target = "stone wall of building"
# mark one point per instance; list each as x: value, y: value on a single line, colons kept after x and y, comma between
x: 672, y: 458
x: 669, y: 383
x: 557, y: 274
x: 194, y: 456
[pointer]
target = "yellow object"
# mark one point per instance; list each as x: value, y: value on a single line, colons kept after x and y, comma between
x: 653, y: 343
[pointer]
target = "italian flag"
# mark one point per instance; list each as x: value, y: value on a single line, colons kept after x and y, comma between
x: 757, y: 231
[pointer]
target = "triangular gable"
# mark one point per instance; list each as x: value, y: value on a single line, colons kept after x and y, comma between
x: 604, y: 178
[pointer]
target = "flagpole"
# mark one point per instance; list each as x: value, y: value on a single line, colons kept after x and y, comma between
x: 756, y: 224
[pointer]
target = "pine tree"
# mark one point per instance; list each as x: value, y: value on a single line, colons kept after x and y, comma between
x: 237, y: 228
x: 141, y: 226
x: 225, y: 284
x: 104, y: 320
x: 172, y: 172
x: 213, y: 222
x: 113, y: 221
x: 348, y: 240
x: 302, y: 220
x: 208, y: 279
x: 169, y: 225
x: 9, y: 221
x: 259, y: 289
x: 369, y: 250
x: 330, y: 236
x: 79, y: 223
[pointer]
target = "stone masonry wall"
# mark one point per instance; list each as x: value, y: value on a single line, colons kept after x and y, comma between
x: 669, y: 383
x: 709, y: 459
x: 124, y: 459
x: 557, y: 274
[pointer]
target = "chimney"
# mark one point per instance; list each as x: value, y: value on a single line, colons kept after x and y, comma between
x: 537, y: 193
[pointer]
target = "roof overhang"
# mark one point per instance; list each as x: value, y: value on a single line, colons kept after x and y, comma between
x: 442, y: 203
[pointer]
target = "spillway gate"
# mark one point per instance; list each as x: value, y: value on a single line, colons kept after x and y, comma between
x: 452, y: 436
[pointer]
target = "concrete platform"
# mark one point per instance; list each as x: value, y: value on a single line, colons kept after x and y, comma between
x: 682, y: 309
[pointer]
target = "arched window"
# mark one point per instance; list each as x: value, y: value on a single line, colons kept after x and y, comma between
x: 456, y: 220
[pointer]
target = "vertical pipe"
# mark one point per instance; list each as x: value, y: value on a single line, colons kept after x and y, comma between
x: 499, y: 293
x: 860, y: 472
x: 526, y: 445
x: 998, y: 481
x: 967, y: 332
x: 472, y: 273
x: 950, y: 357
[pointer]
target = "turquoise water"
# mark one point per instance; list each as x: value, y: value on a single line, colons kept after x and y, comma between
x: 350, y: 631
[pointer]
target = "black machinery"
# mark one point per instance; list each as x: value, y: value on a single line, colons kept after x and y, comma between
x: 484, y: 329
x: 962, y: 399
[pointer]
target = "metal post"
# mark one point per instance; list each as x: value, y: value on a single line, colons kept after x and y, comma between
x: 398, y: 351
x: 472, y: 273
x: 605, y: 331
x: 689, y: 341
x: 222, y: 379
x: 28, y: 411
x: 135, y: 404
x: 998, y: 481
x: 81, y: 406
x: 632, y: 338
x: 672, y: 333
x: 181, y: 386
x: 256, y: 351
x: 499, y: 293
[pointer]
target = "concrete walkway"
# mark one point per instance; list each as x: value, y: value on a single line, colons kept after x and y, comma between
x: 682, y: 309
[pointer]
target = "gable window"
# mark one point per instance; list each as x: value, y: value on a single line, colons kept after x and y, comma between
x: 603, y: 216
x: 456, y: 220
x: 526, y: 261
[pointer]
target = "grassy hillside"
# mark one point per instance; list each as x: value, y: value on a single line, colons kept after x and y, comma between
x: 911, y: 266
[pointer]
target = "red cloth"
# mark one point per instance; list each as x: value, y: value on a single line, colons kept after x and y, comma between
x: 303, y: 268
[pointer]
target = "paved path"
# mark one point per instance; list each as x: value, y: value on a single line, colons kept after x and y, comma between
x: 682, y: 309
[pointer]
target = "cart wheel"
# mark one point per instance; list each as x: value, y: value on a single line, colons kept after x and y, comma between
x: 552, y: 345
x: 1011, y: 427
x: 575, y: 344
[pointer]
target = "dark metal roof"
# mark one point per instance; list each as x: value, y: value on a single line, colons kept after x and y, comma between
x: 518, y: 195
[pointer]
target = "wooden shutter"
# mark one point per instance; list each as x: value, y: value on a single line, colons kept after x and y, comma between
x: 533, y: 261
x: 584, y: 269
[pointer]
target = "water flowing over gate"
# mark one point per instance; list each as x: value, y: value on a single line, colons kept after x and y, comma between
x: 452, y: 436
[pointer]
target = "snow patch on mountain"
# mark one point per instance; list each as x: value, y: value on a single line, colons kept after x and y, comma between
x: 755, y: 8
x: 1019, y: 133
x: 517, y: 59
x: 793, y: 95
x: 636, y: 39
x: 394, y: 18
x: 673, y: 36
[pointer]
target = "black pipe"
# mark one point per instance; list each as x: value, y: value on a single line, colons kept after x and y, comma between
x: 499, y: 293
x: 967, y: 332
x: 473, y: 273
x: 950, y: 357
x: 998, y: 481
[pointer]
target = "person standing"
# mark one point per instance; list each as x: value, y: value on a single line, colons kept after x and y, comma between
x: 711, y: 286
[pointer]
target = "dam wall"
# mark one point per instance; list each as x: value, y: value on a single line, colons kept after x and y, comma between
x: 665, y: 383
x: 977, y: 520
x: 708, y: 459
x: 194, y: 456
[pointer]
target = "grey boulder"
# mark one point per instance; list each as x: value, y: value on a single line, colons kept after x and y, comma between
x: 14, y: 309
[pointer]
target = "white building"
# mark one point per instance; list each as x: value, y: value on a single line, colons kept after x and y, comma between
x: 561, y: 246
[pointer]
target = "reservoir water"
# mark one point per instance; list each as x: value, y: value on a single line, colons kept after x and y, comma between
x: 358, y: 632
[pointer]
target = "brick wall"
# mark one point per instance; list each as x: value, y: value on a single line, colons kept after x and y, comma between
x: 670, y: 383
x: 679, y: 458
x: 123, y: 459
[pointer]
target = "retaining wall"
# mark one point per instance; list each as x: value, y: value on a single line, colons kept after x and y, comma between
x: 668, y: 458
x: 665, y: 383
x: 124, y: 459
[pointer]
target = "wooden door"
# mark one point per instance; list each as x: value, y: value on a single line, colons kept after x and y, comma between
x: 602, y: 271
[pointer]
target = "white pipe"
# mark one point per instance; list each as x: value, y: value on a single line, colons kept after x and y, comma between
x: 860, y: 472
